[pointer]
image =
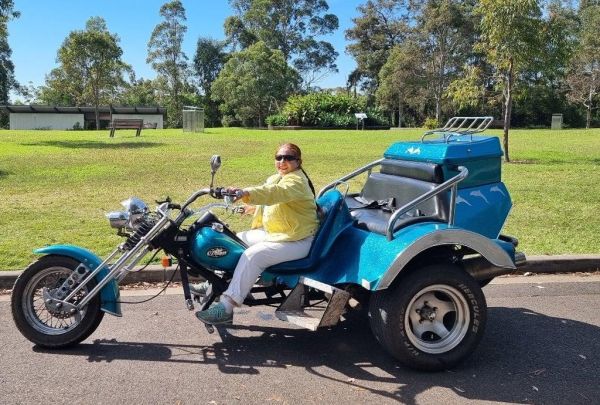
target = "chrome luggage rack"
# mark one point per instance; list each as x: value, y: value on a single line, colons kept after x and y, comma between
x: 461, y: 126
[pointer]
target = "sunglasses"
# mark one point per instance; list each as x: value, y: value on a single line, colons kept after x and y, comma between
x: 287, y: 158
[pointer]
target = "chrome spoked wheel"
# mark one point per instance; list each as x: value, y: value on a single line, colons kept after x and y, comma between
x: 42, y: 318
x: 437, y: 319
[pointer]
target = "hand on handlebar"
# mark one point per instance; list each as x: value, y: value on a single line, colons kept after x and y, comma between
x: 236, y: 193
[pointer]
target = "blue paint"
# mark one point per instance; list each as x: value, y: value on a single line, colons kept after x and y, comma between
x: 109, y: 294
x: 206, y: 239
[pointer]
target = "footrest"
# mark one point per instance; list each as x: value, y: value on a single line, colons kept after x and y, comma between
x: 291, y: 310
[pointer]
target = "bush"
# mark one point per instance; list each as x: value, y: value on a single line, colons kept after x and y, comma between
x: 277, y: 120
x: 431, y: 123
x: 230, y: 121
x: 376, y: 117
x: 323, y: 109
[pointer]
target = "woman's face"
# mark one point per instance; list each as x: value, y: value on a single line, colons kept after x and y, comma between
x: 286, y: 161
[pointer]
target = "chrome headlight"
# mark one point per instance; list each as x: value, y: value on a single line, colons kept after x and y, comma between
x: 135, y: 210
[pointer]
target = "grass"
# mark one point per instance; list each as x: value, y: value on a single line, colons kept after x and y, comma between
x: 56, y: 186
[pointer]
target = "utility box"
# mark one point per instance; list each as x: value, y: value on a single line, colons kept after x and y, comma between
x: 557, y: 121
x: 193, y: 119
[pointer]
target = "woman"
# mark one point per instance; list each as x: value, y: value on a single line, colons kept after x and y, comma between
x: 283, y: 228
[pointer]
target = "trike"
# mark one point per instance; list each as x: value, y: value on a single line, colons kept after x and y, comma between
x: 411, y: 250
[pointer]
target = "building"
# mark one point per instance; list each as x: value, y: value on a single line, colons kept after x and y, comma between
x: 61, y: 118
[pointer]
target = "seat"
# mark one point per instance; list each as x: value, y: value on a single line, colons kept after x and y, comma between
x: 402, y: 181
x: 334, y: 220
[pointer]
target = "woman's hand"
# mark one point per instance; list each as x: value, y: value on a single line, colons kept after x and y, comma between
x: 248, y: 209
x: 239, y: 193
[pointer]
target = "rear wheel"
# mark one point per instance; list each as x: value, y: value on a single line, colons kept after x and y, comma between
x: 431, y: 319
x: 48, y: 326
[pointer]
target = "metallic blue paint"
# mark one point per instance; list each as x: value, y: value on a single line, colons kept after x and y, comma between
x: 483, y: 209
x: 207, y: 238
x: 109, y: 295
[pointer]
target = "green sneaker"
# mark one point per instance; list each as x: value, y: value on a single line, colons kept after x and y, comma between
x: 215, y: 315
x: 200, y: 288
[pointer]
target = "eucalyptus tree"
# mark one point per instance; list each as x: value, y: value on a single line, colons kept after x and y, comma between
x: 208, y: 61
x: 292, y: 26
x: 167, y: 58
x: 254, y: 82
x: 381, y: 25
x: 7, y: 68
x: 90, y: 68
x: 583, y: 80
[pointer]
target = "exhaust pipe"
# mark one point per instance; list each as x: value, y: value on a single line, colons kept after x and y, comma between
x: 481, y: 269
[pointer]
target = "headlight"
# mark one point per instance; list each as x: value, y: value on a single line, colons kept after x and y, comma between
x: 135, y: 210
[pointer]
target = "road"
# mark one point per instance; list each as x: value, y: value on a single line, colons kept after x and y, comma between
x: 541, y: 345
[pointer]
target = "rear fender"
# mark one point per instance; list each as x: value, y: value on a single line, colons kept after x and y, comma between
x: 486, y: 247
x: 109, y: 294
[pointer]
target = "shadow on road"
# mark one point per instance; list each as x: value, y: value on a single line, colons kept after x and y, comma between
x: 524, y: 357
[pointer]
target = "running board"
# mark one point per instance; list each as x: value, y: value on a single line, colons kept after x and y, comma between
x: 291, y: 310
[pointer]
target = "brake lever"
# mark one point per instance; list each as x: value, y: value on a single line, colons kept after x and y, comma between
x: 167, y: 200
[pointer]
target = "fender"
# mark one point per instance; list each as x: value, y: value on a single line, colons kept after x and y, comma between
x: 109, y: 294
x: 449, y: 236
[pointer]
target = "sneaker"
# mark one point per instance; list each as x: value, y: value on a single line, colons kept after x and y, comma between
x: 215, y: 315
x: 200, y: 288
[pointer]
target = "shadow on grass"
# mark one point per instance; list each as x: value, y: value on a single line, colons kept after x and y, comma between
x: 96, y: 145
x: 4, y: 173
x: 521, y: 349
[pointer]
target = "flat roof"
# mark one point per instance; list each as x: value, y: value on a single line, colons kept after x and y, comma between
x: 34, y: 108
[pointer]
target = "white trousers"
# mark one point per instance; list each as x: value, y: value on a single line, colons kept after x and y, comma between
x: 260, y: 255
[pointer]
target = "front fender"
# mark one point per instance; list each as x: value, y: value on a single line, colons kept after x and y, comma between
x: 449, y: 237
x: 109, y: 294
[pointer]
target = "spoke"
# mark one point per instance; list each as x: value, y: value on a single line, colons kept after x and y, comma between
x: 420, y: 328
x: 440, y: 330
x: 443, y: 307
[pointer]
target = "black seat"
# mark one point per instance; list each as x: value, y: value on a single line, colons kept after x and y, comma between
x: 332, y: 223
x: 399, y: 181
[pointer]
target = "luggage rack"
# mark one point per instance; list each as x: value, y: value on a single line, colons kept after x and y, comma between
x: 461, y: 126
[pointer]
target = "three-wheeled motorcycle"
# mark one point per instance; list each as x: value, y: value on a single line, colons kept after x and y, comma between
x: 412, y: 248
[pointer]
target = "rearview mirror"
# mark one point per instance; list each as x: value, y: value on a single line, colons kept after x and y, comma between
x: 215, y: 163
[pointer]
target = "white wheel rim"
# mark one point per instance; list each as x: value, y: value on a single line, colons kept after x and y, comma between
x: 437, y: 319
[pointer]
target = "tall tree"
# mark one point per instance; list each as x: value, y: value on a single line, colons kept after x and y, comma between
x: 403, y: 78
x: 291, y: 26
x: 208, y: 62
x: 7, y: 68
x: 90, y: 67
x: 583, y: 79
x: 445, y: 32
x: 381, y: 25
x: 167, y: 58
x: 510, y: 39
x: 254, y: 82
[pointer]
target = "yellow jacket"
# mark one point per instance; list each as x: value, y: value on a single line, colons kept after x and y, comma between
x: 286, y: 207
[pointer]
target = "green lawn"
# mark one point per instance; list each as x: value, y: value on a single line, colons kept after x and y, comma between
x: 57, y: 185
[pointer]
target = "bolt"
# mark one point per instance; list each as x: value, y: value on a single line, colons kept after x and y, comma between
x: 58, y: 304
x: 48, y: 301
x: 73, y: 310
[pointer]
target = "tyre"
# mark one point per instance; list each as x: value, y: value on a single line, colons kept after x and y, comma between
x: 432, y: 319
x: 49, y: 327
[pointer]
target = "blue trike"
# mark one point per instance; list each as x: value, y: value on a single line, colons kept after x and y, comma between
x: 411, y: 248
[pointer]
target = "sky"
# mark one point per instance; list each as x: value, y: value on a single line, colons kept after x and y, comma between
x: 43, y: 25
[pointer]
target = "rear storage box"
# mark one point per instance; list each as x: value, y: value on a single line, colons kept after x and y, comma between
x: 481, y: 155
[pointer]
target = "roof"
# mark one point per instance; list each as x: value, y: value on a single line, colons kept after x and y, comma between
x: 84, y: 109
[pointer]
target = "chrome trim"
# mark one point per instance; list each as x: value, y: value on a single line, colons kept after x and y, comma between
x: 458, y: 126
x: 480, y: 244
x: 463, y: 173
x: 349, y: 176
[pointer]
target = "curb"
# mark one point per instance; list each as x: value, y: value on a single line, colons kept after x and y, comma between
x: 534, y: 264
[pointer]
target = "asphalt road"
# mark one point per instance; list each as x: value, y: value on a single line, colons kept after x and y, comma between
x: 541, y: 345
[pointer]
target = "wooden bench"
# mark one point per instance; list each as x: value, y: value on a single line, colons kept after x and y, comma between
x: 122, y: 123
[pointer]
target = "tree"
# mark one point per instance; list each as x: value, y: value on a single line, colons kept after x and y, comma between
x: 291, y: 26
x: 510, y: 39
x: 208, y: 62
x: 445, y: 33
x: 139, y: 92
x: 382, y: 24
x: 167, y: 58
x: 402, y: 80
x: 7, y: 68
x: 583, y: 80
x: 90, y: 68
x: 253, y: 82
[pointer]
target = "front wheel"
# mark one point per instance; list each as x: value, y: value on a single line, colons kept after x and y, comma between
x: 431, y: 319
x: 46, y: 326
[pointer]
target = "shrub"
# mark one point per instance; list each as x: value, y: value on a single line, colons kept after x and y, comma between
x: 315, y: 109
x: 276, y: 120
x: 431, y: 123
x: 230, y: 121
x: 376, y: 117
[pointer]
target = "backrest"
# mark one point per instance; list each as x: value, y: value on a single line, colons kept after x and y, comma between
x: 406, y: 180
x: 334, y: 219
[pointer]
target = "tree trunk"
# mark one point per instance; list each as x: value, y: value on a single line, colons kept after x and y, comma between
x: 399, y: 111
x: 588, y: 118
x: 508, y: 109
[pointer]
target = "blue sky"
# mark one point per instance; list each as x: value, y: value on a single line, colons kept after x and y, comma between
x: 36, y: 36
